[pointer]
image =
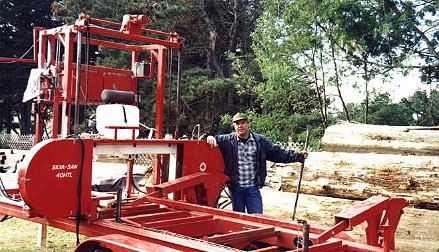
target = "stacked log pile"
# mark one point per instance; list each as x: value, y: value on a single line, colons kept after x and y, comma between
x: 356, y: 164
x: 365, y: 138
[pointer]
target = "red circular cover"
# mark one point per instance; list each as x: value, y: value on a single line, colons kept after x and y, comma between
x: 49, y: 177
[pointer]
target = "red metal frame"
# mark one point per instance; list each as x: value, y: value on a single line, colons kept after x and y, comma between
x: 62, y: 92
x: 182, y: 226
x: 176, y: 213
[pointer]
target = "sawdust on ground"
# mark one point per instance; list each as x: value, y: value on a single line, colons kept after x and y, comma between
x: 418, y: 229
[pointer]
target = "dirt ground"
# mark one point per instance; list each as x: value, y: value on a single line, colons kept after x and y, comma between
x: 418, y: 229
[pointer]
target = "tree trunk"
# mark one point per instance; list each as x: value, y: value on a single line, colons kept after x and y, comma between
x: 366, y: 138
x: 366, y: 91
x: 321, y: 100
x: 213, y: 59
x: 360, y: 161
x: 337, y: 84
x: 325, y: 105
x: 431, y: 107
x: 236, y: 25
x: 362, y: 175
x: 233, y: 34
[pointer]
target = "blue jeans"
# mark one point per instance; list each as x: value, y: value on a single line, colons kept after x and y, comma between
x: 246, y: 198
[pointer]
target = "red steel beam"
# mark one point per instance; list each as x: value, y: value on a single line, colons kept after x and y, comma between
x: 361, y: 212
x: 170, y: 35
x: 182, y: 183
x: 195, y: 229
x: 264, y: 219
x: 17, y: 60
x: 339, y: 227
x: 244, y: 236
x: 117, y: 34
x: 160, y: 92
x: 175, y: 241
x: 145, y: 218
x: 164, y: 224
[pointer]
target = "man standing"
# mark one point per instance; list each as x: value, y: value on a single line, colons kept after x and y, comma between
x: 245, y: 154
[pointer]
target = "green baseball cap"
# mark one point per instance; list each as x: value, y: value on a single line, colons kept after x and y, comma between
x: 239, y: 116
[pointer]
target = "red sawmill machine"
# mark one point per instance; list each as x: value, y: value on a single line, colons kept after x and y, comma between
x: 181, y: 209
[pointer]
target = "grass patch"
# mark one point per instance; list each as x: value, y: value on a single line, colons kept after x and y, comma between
x: 17, y: 235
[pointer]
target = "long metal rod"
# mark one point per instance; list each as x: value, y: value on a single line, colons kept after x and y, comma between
x: 87, y: 71
x: 177, y: 100
x: 160, y: 92
x: 78, y: 81
x: 305, y: 237
x: 170, y: 56
x: 118, y: 204
x: 308, y: 130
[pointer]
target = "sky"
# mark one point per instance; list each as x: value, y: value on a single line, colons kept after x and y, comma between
x: 399, y: 87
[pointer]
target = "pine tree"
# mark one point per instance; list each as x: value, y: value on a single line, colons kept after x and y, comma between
x: 17, y: 19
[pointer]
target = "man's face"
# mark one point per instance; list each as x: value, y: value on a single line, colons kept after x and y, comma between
x: 242, y: 128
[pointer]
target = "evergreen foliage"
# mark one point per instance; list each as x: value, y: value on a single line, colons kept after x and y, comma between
x: 17, y: 18
x: 274, y: 59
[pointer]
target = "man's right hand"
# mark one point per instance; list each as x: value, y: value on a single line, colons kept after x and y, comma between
x: 304, y: 154
x: 211, y: 141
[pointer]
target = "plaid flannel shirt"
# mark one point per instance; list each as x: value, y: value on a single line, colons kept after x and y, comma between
x: 246, y: 162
